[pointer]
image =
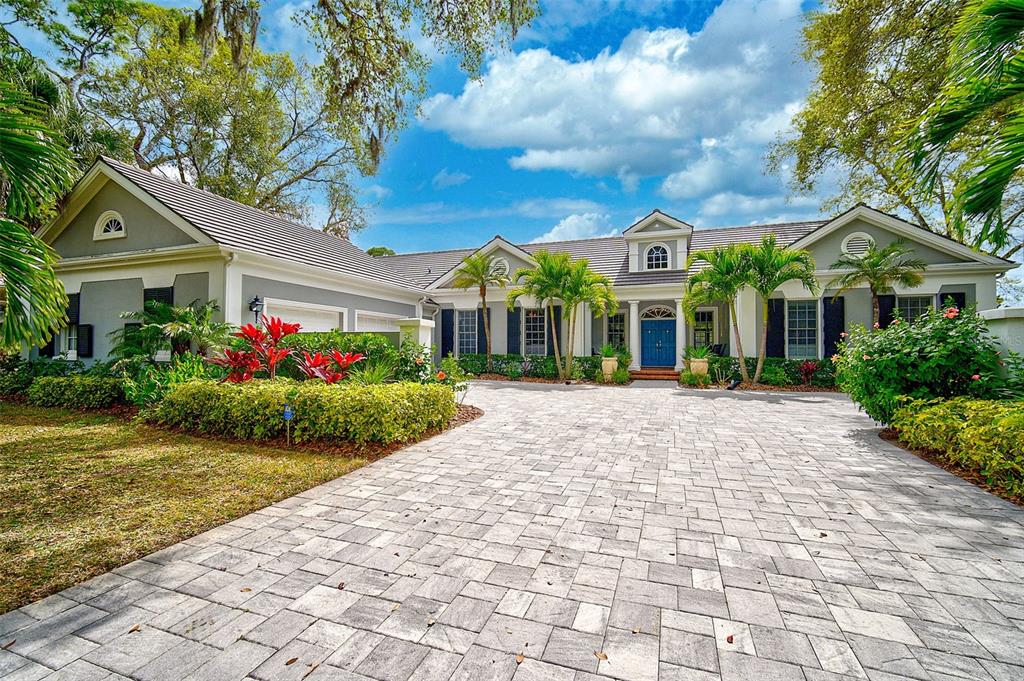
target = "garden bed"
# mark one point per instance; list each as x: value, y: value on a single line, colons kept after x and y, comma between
x: 538, y: 379
x: 939, y: 459
x: 86, y: 492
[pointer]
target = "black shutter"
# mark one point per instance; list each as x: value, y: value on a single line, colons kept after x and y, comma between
x: 776, y: 340
x: 513, y: 332
x: 959, y: 299
x: 447, y: 332
x: 73, y: 308
x: 84, y: 341
x: 481, y: 338
x: 162, y: 295
x: 886, y: 305
x: 50, y: 348
x: 557, y: 330
x: 833, y: 323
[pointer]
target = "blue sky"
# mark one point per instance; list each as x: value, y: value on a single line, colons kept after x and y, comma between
x: 600, y: 111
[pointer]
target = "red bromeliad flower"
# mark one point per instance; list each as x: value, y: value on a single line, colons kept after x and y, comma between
x: 264, y: 342
x: 319, y: 366
x: 344, y: 360
x: 278, y: 329
x: 242, y: 365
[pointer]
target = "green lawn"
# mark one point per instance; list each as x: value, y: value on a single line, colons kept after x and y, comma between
x: 83, y: 493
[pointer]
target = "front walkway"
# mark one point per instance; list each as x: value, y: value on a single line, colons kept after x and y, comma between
x: 636, y: 534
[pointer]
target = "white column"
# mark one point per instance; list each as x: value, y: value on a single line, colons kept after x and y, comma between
x: 680, y: 334
x: 634, y: 333
x: 416, y: 329
x: 233, y: 303
x: 580, y: 346
x: 746, y: 317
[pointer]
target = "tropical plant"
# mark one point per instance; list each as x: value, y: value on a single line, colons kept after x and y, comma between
x: 194, y: 325
x: 35, y: 169
x: 984, y: 81
x: 479, y: 271
x: 807, y: 369
x: 698, y: 352
x: 317, y: 366
x: 241, y: 365
x: 609, y: 350
x: 879, y: 269
x: 372, y: 374
x: 265, y: 342
x: 583, y: 285
x: 771, y: 266
x: 543, y: 282
x: 725, y: 275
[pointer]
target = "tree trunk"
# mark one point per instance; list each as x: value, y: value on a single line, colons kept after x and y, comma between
x: 739, y: 345
x: 571, y: 337
x: 487, y: 325
x: 554, y: 340
x: 764, y: 340
x: 875, y: 311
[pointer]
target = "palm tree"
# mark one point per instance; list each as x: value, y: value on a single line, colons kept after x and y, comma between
x: 879, y: 268
x: 583, y: 285
x: 480, y: 271
x: 544, y: 283
x: 193, y: 324
x: 35, y: 169
x: 720, y: 282
x: 771, y: 266
x: 983, y: 77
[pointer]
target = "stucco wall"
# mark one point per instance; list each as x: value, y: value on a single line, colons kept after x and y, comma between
x: 193, y: 286
x: 101, y: 304
x: 499, y: 327
x: 283, y: 290
x: 145, y: 229
x: 828, y: 249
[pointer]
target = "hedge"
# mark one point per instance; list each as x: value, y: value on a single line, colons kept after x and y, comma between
x: 777, y: 370
x: 75, y: 392
x: 539, y: 366
x: 387, y: 412
x: 986, y: 436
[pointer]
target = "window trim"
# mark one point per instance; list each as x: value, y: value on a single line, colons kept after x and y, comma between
x: 458, y: 331
x: 929, y: 298
x: 69, y: 352
x: 817, y: 325
x: 504, y: 264
x: 625, y: 327
x: 107, y: 215
x: 668, y: 257
x: 714, y: 325
x: 522, y: 328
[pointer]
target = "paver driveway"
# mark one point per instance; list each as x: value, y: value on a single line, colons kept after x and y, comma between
x: 628, y: 533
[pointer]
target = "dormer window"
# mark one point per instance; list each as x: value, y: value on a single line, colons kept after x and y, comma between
x: 110, y: 225
x: 656, y: 257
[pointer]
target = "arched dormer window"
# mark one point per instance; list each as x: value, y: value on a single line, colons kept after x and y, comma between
x: 656, y: 257
x: 110, y: 225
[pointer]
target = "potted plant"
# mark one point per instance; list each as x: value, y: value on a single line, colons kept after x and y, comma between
x: 697, y: 359
x: 609, y: 360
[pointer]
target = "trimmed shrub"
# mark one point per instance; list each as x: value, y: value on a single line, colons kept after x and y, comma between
x: 688, y: 378
x: 388, y: 412
x: 536, y: 366
x: 985, y: 436
x: 943, y: 354
x: 776, y: 371
x: 17, y: 374
x: 375, y: 347
x: 75, y: 392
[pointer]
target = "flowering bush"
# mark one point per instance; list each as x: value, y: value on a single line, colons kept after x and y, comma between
x: 414, y: 362
x: 944, y: 353
x: 265, y: 342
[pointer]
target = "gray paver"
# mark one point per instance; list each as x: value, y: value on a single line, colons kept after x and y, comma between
x: 689, y: 536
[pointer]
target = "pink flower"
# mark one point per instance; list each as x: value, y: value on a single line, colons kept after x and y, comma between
x: 976, y: 377
x: 877, y: 326
x: 441, y: 375
x: 866, y: 357
x: 951, y: 313
x: 842, y: 334
x: 835, y: 358
x: 895, y: 321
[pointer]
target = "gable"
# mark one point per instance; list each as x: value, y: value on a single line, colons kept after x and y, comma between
x: 145, y: 229
x: 657, y: 225
x: 497, y: 247
x: 829, y: 247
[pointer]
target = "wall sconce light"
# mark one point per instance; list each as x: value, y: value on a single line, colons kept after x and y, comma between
x: 256, y: 307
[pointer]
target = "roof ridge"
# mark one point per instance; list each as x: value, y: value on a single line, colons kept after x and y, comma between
x: 761, y: 224
x: 443, y: 250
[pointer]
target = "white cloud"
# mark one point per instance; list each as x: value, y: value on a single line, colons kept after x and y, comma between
x: 445, y: 179
x: 377, y: 191
x: 696, y: 109
x: 580, y: 226
x: 439, y: 212
x: 731, y: 203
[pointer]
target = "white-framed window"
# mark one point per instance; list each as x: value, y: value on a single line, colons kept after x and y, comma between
x: 109, y: 225
x: 857, y: 243
x: 535, y: 337
x: 656, y: 257
x: 802, y: 329
x: 467, y: 332
x: 912, y: 307
x: 70, y: 345
x: 704, y: 331
x: 617, y: 329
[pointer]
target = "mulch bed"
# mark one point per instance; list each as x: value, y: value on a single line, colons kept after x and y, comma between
x: 938, y: 459
x: 534, y: 379
x: 800, y: 388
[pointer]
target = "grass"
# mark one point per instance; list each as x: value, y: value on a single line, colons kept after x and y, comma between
x: 84, y: 492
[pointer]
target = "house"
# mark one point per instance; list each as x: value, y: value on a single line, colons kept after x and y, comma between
x: 125, y: 236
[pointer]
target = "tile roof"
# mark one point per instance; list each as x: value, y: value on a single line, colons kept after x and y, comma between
x: 607, y: 255
x: 235, y: 225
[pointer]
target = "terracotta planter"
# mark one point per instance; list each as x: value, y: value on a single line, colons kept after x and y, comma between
x: 608, y: 366
x: 699, y: 367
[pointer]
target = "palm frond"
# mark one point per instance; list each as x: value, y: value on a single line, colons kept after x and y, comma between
x: 36, y: 303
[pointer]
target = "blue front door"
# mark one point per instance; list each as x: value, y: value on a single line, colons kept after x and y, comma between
x: 658, y: 342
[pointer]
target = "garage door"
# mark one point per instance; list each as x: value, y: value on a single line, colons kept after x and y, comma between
x: 369, y: 322
x: 312, y: 319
